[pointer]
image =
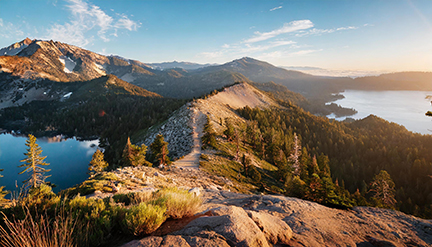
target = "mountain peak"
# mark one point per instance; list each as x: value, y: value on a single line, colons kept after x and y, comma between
x: 26, y: 41
x: 15, y: 48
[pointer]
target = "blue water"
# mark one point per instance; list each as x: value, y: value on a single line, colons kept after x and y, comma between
x: 68, y: 160
x: 406, y: 108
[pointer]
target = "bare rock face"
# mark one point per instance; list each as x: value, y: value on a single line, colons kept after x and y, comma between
x: 149, y: 241
x: 264, y: 220
x: 233, y: 223
x: 176, y: 132
x: 177, y: 240
x: 275, y: 229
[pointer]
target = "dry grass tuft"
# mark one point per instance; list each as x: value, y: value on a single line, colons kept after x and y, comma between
x: 144, y: 218
x: 179, y: 203
x: 38, y: 231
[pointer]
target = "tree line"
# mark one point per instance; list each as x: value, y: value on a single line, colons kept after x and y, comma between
x: 352, y: 156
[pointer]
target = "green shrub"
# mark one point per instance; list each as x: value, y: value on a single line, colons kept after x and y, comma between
x: 144, y: 218
x: 100, y: 182
x: 41, y: 197
x: 179, y: 203
x: 126, y: 199
x: 98, y: 215
x: 132, y: 198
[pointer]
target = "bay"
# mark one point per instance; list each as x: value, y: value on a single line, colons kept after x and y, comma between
x: 68, y: 159
x: 406, y: 108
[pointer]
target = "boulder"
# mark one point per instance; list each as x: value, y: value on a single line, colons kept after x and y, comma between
x: 177, y: 241
x: 231, y: 222
x: 174, y: 241
x: 145, y: 242
x: 275, y: 229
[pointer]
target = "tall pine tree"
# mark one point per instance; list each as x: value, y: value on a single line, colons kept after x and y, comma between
x: 33, y: 164
x: 97, y: 164
x: 159, y: 150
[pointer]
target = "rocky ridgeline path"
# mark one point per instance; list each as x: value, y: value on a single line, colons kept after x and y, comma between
x: 232, y: 219
x: 191, y: 160
x: 184, y: 129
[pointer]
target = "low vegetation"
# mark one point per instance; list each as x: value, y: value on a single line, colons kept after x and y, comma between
x: 44, y: 219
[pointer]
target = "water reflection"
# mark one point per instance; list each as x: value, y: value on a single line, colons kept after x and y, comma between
x: 68, y: 158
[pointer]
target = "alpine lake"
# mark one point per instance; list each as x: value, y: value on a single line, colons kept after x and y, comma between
x: 406, y: 108
x: 68, y: 160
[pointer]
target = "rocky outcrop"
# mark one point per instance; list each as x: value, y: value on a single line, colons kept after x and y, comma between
x: 231, y: 222
x: 264, y: 220
x: 184, y: 128
x: 177, y: 131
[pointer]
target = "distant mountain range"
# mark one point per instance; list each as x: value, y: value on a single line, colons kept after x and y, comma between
x: 26, y: 63
x: 180, y: 65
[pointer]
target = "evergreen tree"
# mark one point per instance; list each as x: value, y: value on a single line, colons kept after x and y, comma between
x: 246, y: 161
x: 294, y: 157
x: 209, y: 137
x: 160, y: 151
x: 230, y: 130
x: 134, y: 155
x: 383, y: 189
x: 33, y: 164
x: 97, y: 164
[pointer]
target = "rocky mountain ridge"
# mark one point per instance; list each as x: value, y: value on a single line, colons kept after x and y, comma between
x: 38, y: 60
x: 178, y: 129
x: 228, y: 218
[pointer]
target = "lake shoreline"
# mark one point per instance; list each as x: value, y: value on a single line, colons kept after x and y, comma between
x: 404, y: 107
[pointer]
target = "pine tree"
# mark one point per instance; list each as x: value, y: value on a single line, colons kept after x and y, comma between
x: 134, y: 155
x: 127, y: 153
x: 33, y: 163
x: 295, y: 156
x: 160, y: 151
x: 383, y: 188
x: 209, y: 137
x: 97, y: 164
x: 230, y: 130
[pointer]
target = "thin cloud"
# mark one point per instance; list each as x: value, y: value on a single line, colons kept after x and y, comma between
x: 87, y: 18
x: 249, y: 48
x: 273, y: 9
x: 287, y: 28
x: 279, y: 54
x: 316, y: 31
x: 126, y: 23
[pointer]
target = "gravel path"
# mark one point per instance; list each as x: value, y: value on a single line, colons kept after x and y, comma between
x: 192, y: 159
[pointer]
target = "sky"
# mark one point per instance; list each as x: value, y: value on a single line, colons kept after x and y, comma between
x: 374, y: 35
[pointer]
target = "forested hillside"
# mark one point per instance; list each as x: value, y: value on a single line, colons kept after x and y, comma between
x: 106, y: 108
x: 356, y: 152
